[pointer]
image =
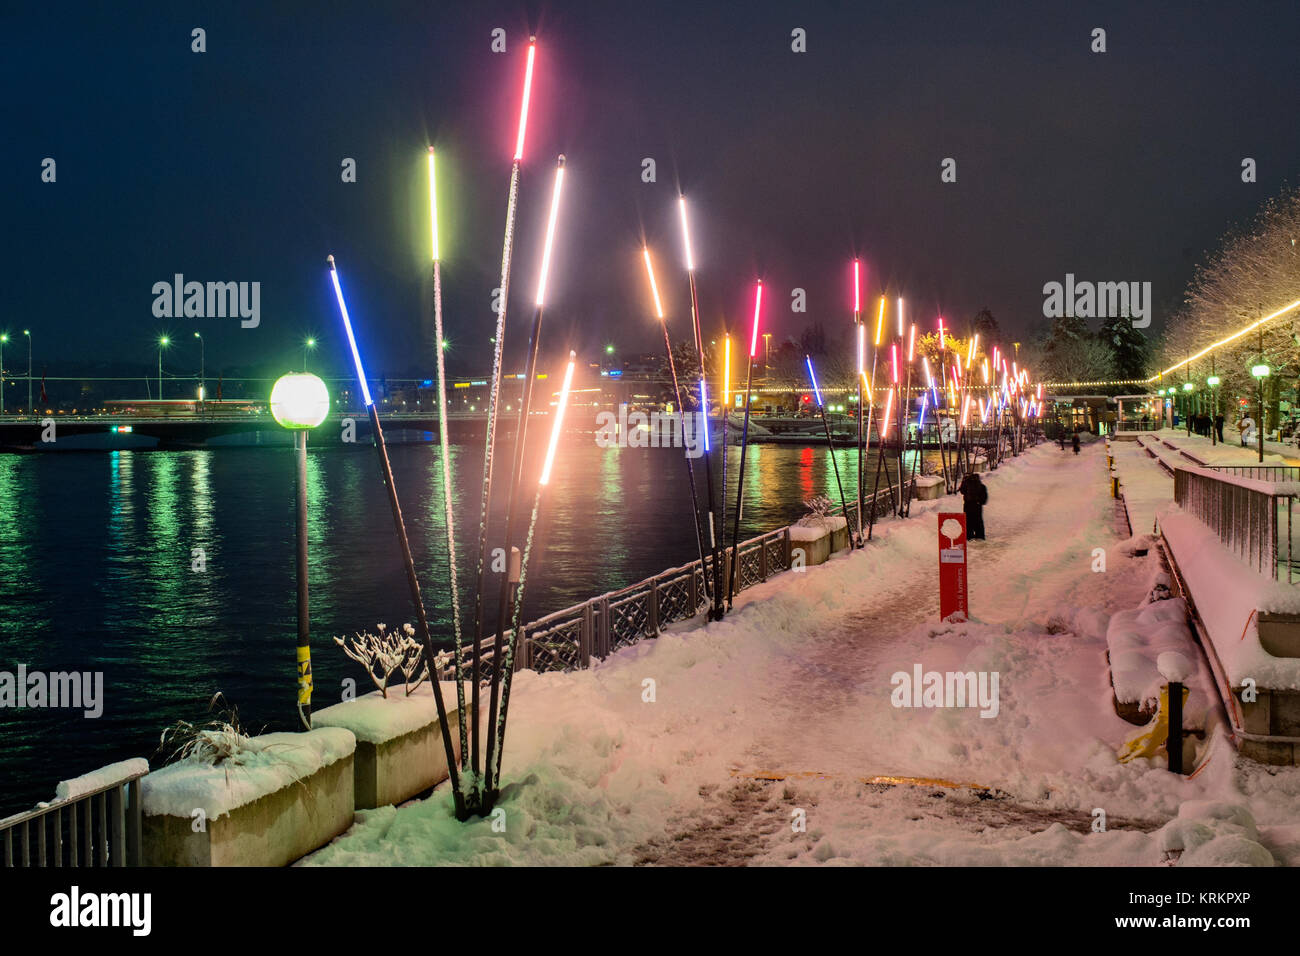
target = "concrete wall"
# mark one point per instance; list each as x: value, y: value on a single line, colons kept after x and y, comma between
x: 396, y: 770
x: 273, y: 830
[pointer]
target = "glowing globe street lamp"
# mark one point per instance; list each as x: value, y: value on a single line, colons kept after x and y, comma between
x: 299, y: 402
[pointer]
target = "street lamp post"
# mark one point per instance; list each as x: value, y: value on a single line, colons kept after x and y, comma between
x: 300, y: 402
x: 1260, y: 372
x: 28, y: 333
x: 202, y: 367
x: 309, y: 343
x: 4, y: 337
x: 1213, y: 382
x: 162, y: 344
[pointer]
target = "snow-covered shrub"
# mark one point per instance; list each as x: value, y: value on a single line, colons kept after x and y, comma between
x: 217, y: 742
x: 385, y: 653
x: 819, y: 508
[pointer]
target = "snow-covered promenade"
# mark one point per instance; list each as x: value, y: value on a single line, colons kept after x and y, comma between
x: 667, y: 752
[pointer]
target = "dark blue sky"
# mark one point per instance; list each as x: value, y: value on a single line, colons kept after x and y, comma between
x: 225, y: 165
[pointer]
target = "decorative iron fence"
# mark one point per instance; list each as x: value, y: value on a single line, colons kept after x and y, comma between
x: 1245, y: 516
x: 99, y: 828
x: 569, y: 639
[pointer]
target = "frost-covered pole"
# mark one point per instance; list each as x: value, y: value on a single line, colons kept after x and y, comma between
x: 516, y: 624
x: 494, y: 399
x: 516, y: 478
x: 445, y: 456
x: 412, y: 582
x: 744, y: 446
x: 714, y: 532
x: 677, y: 400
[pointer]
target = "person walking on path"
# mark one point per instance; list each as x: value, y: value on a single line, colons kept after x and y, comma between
x: 1218, y: 426
x: 1247, y: 427
x: 1074, y: 442
x: 975, y: 495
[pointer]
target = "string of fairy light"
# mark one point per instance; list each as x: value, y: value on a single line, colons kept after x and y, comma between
x: 1214, y: 346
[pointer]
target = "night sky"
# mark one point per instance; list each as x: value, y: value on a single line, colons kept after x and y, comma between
x: 225, y: 165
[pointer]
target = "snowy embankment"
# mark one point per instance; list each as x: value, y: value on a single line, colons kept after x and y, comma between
x: 1230, y: 452
x: 1137, y: 638
x: 1147, y: 488
x: 715, y: 743
x: 1239, y: 592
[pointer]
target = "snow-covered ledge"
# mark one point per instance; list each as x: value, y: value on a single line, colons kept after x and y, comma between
x: 819, y: 536
x: 928, y: 487
x: 278, y: 799
x: 399, y: 741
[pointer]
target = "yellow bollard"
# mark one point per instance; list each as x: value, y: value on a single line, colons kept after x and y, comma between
x: 1148, y: 741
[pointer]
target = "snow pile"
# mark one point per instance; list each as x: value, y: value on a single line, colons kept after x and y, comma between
x: 929, y: 481
x: 376, y: 719
x: 265, y: 764
x: 1213, y: 833
x: 99, y: 779
x: 812, y: 527
x: 1137, y: 639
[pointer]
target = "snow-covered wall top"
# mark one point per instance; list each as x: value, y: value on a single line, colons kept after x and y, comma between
x: 99, y: 779
x: 377, y: 720
x: 266, y: 764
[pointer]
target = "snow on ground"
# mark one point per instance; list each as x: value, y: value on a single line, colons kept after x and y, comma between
x: 665, y: 752
x: 1145, y: 485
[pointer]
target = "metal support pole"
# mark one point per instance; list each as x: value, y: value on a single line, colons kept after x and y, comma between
x: 304, y: 610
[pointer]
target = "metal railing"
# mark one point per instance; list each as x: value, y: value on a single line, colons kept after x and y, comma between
x: 1247, y: 519
x: 99, y: 828
x: 569, y: 639
x: 1261, y: 472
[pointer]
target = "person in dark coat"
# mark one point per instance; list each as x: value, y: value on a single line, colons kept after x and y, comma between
x: 1074, y: 442
x: 975, y: 495
x: 1218, y: 426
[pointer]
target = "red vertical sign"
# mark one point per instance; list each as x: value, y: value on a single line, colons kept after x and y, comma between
x: 952, y: 567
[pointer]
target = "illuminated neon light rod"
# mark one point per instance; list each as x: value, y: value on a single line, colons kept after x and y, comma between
x: 559, y: 419
x: 813, y: 376
x: 654, y: 288
x: 880, y: 321
x: 686, y: 234
x: 550, y: 232
x: 900, y: 316
x: 523, y: 107
x: 726, y: 371
x: 753, y: 339
x: 352, y: 342
x: 433, y: 205
x: 857, y: 287
x: 704, y: 404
